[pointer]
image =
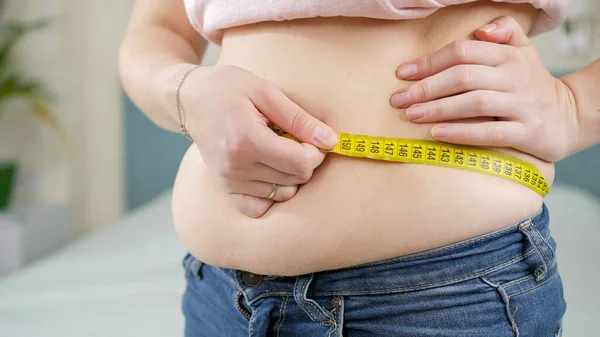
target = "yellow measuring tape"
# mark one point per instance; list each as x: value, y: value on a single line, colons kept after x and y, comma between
x: 413, y: 151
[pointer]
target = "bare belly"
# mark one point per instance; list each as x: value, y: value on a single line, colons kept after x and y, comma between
x: 352, y: 211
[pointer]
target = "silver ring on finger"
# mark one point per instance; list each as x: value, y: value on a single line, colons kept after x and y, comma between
x: 274, y: 188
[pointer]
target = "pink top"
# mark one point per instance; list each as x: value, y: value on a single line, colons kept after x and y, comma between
x: 210, y: 17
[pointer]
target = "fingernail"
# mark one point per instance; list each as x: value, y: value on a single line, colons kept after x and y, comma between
x: 439, y: 132
x: 401, y: 99
x: 489, y: 27
x: 407, y: 70
x: 325, y: 138
x: 415, y: 112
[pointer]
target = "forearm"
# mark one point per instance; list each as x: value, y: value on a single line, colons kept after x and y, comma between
x: 153, y: 57
x: 585, y: 86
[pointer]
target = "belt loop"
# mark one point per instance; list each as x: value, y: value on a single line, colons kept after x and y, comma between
x: 194, y: 268
x: 541, y: 247
x: 312, y: 308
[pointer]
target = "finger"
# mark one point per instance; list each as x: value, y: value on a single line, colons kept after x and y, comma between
x: 264, y: 173
x: 479, y: 103
x: 459, y: 52
x: 301, y: 161
x: 286, y: 114
x: 249, y: 205
x: 505, y: 30
x: 280, y: 153
x: 497, y: 134
x: 263, y: 190
x: 456, y: 80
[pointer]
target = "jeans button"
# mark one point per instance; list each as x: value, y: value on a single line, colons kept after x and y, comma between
x: 251, y: 280
x: 336, y: 302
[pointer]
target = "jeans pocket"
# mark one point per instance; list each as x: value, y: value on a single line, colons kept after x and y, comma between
x: 530, y: 287
x: 467, y: 309
x: 529, y: 269
x: 534, y: 307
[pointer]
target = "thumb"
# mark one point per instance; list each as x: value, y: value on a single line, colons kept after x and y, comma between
x: 505, y: 30
x: 290, y: 117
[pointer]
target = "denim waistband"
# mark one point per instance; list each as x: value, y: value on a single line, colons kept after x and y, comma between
x: 449, y: 264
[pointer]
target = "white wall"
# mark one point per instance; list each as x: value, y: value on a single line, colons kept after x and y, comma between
x: 77, y: 58
x: 95, y: 35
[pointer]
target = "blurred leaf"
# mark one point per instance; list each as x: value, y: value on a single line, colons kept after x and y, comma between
x: 42, y: 112
x: 14, y: 84
x: 11, y: 34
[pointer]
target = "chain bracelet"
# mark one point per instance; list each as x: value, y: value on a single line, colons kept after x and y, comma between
x: 182, y: 128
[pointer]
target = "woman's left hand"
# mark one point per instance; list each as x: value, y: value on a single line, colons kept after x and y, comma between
x: 500, y: 76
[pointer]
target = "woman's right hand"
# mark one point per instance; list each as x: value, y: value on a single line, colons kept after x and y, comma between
x: 229, y: 112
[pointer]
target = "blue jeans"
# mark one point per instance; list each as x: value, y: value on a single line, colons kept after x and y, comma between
x: 504, y: 283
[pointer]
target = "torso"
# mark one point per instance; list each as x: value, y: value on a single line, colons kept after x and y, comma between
x: 352, y: 211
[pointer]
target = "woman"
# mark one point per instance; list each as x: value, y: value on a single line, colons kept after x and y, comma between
x: 363, y: 248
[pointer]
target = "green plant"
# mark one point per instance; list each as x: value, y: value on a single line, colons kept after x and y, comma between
x: 14, y: 84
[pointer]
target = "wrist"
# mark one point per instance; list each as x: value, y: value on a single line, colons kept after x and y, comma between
x: 587, y: 132
x: 181, y: 115
x: 568, y: 106
x: 166, y: 82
